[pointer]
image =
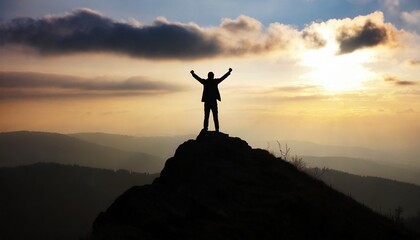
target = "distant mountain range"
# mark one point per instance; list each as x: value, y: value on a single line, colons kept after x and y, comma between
x: 315, y: 149
x: 148, y: 154
x: 408, y: 158
x: 163, y: 147
x: 354, y: 160
x: 22, y: 148
x: 49, y: 201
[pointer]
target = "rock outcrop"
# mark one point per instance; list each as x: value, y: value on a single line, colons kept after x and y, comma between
x: 218, y: 187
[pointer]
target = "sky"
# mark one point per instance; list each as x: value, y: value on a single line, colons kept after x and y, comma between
x: 327, y: 71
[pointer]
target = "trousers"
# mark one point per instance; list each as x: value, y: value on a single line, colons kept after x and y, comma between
x: 211, y: 105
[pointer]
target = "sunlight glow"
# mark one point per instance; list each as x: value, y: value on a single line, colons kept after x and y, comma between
x: 334, y: 72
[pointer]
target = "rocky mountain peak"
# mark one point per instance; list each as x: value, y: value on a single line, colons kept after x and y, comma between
x: 218, y: 187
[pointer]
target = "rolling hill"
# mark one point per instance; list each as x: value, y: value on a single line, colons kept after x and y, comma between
x: 163, y: 147
x: 52, y: 201
x: 381, y: 195
x: 366, y: 167
x: 22, y: 148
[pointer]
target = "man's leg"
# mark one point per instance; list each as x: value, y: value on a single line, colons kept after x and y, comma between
x: 215, y: 116
x: 206, y: 115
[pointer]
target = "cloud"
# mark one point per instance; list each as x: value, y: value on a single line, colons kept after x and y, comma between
x: 368, y: 34
x: 414, y: 62
x: 352, y: 34
x: 294, y: 89
x: 301, y: 98
x: 312, y: 38
x: 407, y: 111
x: 242, y: 24
x: 391, y: 5
x: 399, y: 82
x: 85, y: 30
x: 412, y: 19
x: 291, y: 93
x: 36, y: 85
x: 405, y: 83
x: 360, y: 2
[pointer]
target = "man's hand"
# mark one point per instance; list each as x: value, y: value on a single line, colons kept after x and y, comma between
x: 230, y: 69
x: 192, y: 71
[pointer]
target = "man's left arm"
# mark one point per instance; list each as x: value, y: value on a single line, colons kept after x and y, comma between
x: 225, y: 76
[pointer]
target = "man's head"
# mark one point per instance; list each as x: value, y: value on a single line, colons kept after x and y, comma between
x: 210, y: 75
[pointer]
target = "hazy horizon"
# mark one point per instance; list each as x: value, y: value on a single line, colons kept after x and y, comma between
x: 164, y: 146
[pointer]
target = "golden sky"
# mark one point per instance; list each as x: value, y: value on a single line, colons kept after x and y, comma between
x: 343, y: 81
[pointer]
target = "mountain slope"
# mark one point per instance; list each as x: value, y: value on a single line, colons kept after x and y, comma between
x: 382, y: 195
x: 217, y: 187
x: 366, y: 168
x: 54, y: 201
x: 21, y: 148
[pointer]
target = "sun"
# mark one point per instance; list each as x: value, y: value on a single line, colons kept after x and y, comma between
x: 334, y: 72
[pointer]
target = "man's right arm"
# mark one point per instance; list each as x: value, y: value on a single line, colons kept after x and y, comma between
x: 197, y: 77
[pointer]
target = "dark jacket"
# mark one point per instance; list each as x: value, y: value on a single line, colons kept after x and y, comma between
x: 211, y: 91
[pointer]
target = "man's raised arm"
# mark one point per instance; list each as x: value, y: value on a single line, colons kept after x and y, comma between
x: 225, y: 76
x: 197, y: 77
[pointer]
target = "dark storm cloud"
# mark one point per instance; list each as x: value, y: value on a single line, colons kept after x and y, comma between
x: 85, y: 30
x: 399, y: 82
x: 39, y: 84
x: 368, y: 35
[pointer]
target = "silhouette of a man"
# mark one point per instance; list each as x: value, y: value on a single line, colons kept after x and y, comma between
x: 210, y: 96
